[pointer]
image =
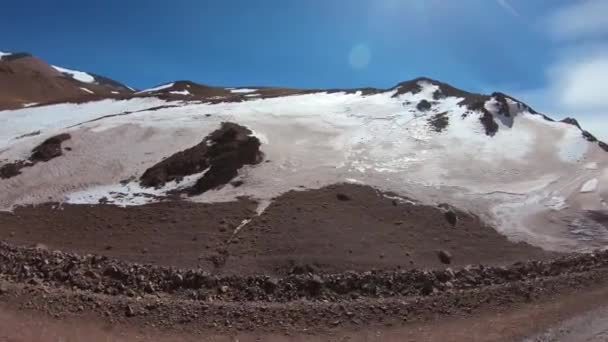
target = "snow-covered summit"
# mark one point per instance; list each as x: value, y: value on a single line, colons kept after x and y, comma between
x: 422, y: 139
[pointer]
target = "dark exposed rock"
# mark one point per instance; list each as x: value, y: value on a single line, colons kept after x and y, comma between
x: 603, y: 145
x: 12, y: 169
x: 503, y: 105
x: 451, y: 217
x: 270, y: 285
x: 223, y: 153
x: 571, y: 121
x: 423, y: 105
x: 487, y: 120
x: 439, y: 122
x: 445, y: 90
x: 130, y: 311
x: 49, y: 149
x: 342, y: 197
x: 589, y: 137
x: 445, y: 257
x: 54, y: 268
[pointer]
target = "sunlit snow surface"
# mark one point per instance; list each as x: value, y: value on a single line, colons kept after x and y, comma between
x: 160, y: 87
x: 526, y: 179
x: 242, y: 91
x: 77, y: 75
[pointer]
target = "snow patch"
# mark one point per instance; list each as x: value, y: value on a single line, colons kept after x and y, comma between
x: 129, y: 194
x: 177, y: 92
x: 590, y: 186
x: 87, y: 90
x: 75, y: 74
x: 25, y: 120
x: 261, y: 137
x: 556, y: 203
x: 2, y: 54
x: 591, y: 166
x: 242, y: 90
x: 31, y: 104
x: 160, y: 87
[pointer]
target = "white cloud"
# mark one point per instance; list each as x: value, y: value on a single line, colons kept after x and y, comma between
x: 507, y: 6
x: 576, y: 87
x: 576, y: 83
x: 581, y: 83
x: 583, y: 18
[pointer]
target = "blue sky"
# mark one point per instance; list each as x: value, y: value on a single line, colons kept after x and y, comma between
x: 542, y: 51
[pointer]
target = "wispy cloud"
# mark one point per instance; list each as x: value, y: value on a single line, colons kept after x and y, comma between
x: 584, y: 18
x: 575, y: 81
x: 575, y: 84
x: 507, y: 6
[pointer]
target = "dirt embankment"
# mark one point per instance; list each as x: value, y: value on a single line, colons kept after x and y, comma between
x: 332, y: 229
x: 67, y: 285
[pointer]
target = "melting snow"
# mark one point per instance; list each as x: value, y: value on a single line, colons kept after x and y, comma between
x: 130, y: 194
x: 22, y: 121
x: 242, y: 90
x: 77, y: 75
x: 320, y: 139
x: 590, y: 186
x: 591, y: 166
x: 556, y: 203
x: 160, y: 87
x: 183, y: 92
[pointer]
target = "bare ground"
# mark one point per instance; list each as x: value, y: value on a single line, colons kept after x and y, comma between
x: 333, y: 229
x: 341, y: 263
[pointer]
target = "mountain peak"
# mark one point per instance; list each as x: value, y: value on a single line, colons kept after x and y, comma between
x: 27, y: 80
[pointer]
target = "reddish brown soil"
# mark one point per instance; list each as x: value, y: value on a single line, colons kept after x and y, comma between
x: 300, y: 231
x: 31, y: 280
x: 508, y: 323
x: 175, y: 233
x: 316, y: 229
x: 27, y: 79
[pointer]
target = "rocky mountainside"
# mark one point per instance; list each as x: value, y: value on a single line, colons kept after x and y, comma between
x: 197, y: 208
x: 26, y: 80
x: 532, y: 178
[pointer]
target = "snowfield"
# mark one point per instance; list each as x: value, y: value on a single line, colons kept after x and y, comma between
x: 160, y: 87
x: 77, y: 75
x: 2, y: 54
x: 528, y: 179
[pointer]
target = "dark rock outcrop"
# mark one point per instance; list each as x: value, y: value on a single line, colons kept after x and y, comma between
x: 47, y: 150
x: 223, y: 153
x: 439, y: 122
x: 503, y: 105
x: 423, y: 105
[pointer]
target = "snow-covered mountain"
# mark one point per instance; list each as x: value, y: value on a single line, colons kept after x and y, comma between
x: 26, y: 80
x: 533, y: 178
